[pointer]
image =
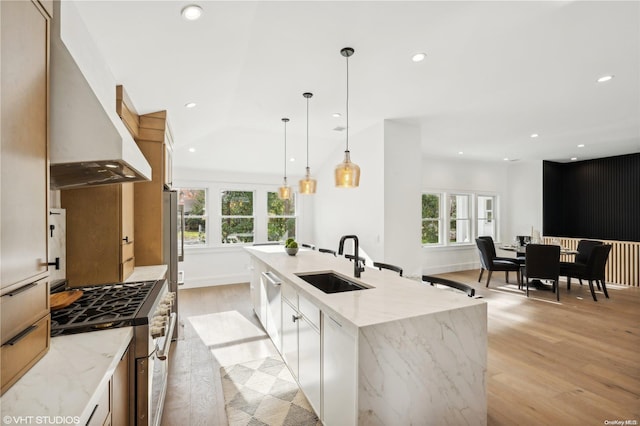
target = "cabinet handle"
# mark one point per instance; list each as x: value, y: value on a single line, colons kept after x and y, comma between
x: 126, y: 239
x: 56, y: 263
x: 92, y: 413
x: 295, y: 318
x: 271, y: 278
x: 22, y: 335
x: 21, y: 289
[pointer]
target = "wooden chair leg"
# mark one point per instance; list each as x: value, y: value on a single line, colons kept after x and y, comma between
x: 604, y: 288
x: 598, y: 284
x: 481, y: 272
x: 489, y: 277
x: 506, y: 276
x: 593, y: 293
x: 557, y: 289
x: 568, y: 283
x: 527, y: 286
x: 580, y: 279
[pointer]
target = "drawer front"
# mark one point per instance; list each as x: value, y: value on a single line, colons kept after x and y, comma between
x: 19, y: 354
x: 289, y: 294
x: 310, y: 311
x: 126, y: 252
x: 22, y: 307
x: 126, y: 269
x: 101, y: 414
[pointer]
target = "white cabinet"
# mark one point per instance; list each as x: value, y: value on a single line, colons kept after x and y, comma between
x: 301, y: 342
x: 339, y: 373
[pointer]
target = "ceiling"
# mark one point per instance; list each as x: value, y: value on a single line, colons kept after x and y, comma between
x: 495, y: 73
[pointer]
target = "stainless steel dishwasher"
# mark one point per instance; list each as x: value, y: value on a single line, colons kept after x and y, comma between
x: 273, y: 318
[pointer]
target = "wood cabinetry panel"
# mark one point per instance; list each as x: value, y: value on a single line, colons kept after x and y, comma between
x: 95, y: 217
x: 24, y: 184
x: 22, y: 307
x: 20, y: 354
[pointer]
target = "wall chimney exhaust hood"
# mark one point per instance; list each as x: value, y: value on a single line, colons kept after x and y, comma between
x: 89, y: 143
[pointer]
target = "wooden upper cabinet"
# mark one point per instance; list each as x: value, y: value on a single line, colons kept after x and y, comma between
x: 100, y: 233
x: 24, y: 116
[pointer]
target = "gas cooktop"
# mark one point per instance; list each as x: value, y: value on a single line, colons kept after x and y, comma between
x: 104, y: 306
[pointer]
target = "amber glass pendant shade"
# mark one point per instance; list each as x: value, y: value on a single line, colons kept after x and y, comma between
x: 284, y: 192
x: 347, y: 173
x: 308, y: 184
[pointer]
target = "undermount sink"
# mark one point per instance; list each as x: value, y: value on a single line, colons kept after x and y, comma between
x: 330, y: 282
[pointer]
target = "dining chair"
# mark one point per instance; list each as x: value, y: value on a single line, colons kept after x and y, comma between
x: 324, y: 250
x: 471, y: 292
x: 489, y: 263
x: 388, y: 266
x: 492, y: 248
x: 581, y: 258
x: 593, y: 270
x: 542, y: 261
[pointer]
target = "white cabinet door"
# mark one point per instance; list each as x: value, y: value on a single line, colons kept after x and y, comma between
x: 258, y: 294
x: 290, y: 337
x: 339, y: 374
x: 309, y: 361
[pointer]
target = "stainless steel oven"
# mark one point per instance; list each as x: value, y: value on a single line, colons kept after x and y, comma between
x: 147, y: 306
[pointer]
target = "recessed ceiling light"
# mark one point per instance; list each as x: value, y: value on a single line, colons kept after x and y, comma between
x: 192, y: 150
x: 336, y: 115
x: 418, y: 57
x: 506, y: 158
x: 292, y: 159
x: 605, y: 78
x: 581, y: 145
x: 460, y: 152
x: 191, y: 12
x: 534, y: 135
x: 190, y: 104
x: 574, y: 158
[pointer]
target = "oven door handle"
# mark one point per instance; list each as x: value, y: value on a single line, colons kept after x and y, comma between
x: 164, y: 352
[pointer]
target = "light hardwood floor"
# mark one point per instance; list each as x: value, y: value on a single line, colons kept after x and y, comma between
x: 572, y: 363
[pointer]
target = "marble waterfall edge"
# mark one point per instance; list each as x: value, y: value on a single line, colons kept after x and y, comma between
x: 425, y: 370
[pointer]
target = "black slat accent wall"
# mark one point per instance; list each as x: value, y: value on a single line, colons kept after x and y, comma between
x: 592, y: 199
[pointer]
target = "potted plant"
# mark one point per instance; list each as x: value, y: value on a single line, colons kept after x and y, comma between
x: 291, y: 247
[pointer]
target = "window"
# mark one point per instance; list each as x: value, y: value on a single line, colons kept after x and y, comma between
x: 281, y: 221
x: 236, y: 213
x: 486, y: 215
x: 431, y: 221
x: 195, y: 218
x: 459, y: 218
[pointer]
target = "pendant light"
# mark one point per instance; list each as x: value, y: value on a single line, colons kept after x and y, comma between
x: 347, y: 173
x: 308, y: 184
x: 284, y: 192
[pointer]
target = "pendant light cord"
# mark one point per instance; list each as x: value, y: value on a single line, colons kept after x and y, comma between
x: 347, y: 103
x: 307, y: 132
x: 285, y: 150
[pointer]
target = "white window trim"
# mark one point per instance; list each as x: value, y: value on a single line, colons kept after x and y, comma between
x: 444, y: 243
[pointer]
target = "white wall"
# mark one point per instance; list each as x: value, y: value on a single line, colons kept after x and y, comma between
x: 525, y: 199
x: 402, y: 192
x: 360, y: 211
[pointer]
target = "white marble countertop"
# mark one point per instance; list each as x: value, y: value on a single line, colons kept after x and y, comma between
x: 147, y: 273
x: 388, y: 298
x: 69, y: 379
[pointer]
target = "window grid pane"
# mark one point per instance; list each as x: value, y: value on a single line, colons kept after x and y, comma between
x: 195, y: 218
x: 431, y: 218
x: 281, y: 222
x: 237, y: 221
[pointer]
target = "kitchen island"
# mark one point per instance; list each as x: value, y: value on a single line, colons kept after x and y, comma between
x: 397, y: 352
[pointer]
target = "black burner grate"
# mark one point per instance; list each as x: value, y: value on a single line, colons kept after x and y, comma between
x: 100, y: 307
